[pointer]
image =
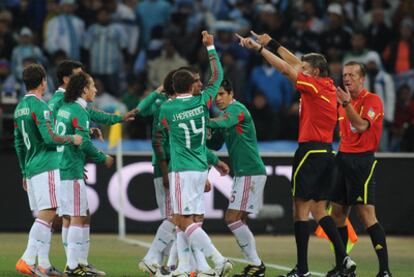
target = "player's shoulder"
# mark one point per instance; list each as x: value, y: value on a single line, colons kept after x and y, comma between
x: 372, y: 98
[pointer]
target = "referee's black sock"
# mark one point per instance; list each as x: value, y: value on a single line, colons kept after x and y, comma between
x: 343, y: 232
x: 302, y: 241
x: 377, y: 234
x: 329, y: 227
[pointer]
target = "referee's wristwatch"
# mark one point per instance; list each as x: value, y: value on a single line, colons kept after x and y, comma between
x: 345, y: 103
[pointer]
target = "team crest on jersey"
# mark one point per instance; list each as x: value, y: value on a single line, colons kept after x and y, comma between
x: 371, y: 113
x: 46, y: 114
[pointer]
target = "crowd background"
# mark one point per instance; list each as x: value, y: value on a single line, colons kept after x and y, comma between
x: 130, y: 45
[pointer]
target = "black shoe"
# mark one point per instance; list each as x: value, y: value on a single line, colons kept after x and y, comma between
x: 78, y: 271
x: 294, y: 273
x: 384, y: 274
x: 335, y: 272
x: 348, y: 267
x: 252, y: 270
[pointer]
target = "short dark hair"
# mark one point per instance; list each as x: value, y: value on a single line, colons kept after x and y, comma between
x: 33, y: 75
x: 226, y: 84
x: 76, y: 84
x: 65, y: 69
x: 182, y: 81
x: 168, y: 82
x: 317, y: 60
x: 362, y: 68
x: 192, y: 69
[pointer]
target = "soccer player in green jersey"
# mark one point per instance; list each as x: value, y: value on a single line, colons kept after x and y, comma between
x: 184, y: 117
x: 73, y: 118
x: 35, y: 144
x: 64, y: 71
x: 235, y: 127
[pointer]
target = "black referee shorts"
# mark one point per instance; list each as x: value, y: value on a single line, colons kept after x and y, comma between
x: 355, y: 181
x: 312, y: 175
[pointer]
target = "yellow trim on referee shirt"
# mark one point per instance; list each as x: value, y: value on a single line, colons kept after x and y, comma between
x: 341, y: 118
x: 309, y: 85
x: 326, y: 99
x: 367, y: 182
x: 300, y: 165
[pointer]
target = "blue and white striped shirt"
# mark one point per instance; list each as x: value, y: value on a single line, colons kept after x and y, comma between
x: 21, y: 52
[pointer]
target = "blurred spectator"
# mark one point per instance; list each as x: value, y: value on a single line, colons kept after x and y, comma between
x: 151, y: 13
x: 8, y: 83
x: 266, y: 120
x: 358, y: 52
x: 106, y: 43
x: 399, y: 55
x: 159, y: 67
x: 335, y: 71
x: 388, y: 8
x: 301, y: 39
x: 125, y: 16
x: 276, y: 87
x: 236, y: 73
x: 7, y: 41
x: 404, y: 9
x: 403, y: 127
x: 314, y: 23
x: 105, y: 101
x: 25, y: 49
x: 225, y: 41
x: 378, y: 33
x: 65, y: 31
x: 55, y: 60
x: 381, y: 83
x: 336, y: 38
x: 133, y: 93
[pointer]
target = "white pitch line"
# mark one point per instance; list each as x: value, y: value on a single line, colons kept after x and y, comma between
x: 275, y: 266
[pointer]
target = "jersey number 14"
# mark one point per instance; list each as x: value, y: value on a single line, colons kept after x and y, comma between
x: 195, y: 131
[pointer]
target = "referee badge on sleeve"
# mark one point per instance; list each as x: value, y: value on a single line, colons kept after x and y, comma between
x: 371, y: 113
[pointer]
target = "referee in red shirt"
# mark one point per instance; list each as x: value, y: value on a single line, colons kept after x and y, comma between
x: 360, y: 124
x: 313, y: 163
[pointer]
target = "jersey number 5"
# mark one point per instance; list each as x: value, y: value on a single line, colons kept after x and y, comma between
x: 195, y: 131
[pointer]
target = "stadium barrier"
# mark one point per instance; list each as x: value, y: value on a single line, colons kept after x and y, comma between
x: 395, y: 190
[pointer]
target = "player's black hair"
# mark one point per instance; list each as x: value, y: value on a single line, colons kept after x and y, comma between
x: 65, y: 69
x: 182, y: 81
x: 192, y: 69
x: 33, y: 75
x: 168, y: 82
x: 76, y: 86
x: 226, y: 84
x: 362, y: 68
x: 317, y: 60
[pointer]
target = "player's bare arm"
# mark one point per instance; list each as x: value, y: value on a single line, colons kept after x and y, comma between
x: 287, y: 56
x: 283, y: 67
x: 129, y: 116
x: 344, y: 98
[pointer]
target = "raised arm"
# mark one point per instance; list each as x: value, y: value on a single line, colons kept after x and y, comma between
x: 283, y: 67
x: 275, y: 47
x: 146, y: 107
x: 216, y: 69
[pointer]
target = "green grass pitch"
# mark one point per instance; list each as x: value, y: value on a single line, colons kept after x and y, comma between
x: 119, y: 259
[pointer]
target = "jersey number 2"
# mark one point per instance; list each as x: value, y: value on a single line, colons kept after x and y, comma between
x: 194, y: 129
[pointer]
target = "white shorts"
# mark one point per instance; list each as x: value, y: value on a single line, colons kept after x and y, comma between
x: 163, y: 198
x: 74, y: 201
x: 44, y: 190
x: 187, y: 191
x: 247, y: 193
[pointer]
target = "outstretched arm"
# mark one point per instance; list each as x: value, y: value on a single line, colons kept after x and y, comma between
x: 283, y: 67
x: 275, y: 47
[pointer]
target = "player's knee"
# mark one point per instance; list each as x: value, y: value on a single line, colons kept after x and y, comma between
x: 231, y: 217
x: 338, y: 216
x: 367, y: 215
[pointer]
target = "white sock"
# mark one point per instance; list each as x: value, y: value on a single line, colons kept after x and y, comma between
x: 75, y: 240
x: 172, y: 258
x: 184, y: 253
x: 202, y: 265
x: 83, y: 258
x: 199, y: 239
x: 164, y: 236
x: 44, y: 248
x: 246, y: 241
x: 36, y: 235
x: 65, y: 239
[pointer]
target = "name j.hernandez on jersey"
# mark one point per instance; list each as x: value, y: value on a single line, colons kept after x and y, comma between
x: 189, y: 113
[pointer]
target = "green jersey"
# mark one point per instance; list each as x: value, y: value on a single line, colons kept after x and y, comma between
x: 100, y: 117
x: 185, y: 118
x: 150, y: 106
x: 236, y: 128
x: 34, y: 139
x: 73, y: 118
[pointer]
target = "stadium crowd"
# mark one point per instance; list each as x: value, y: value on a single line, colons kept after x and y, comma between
x: 129, y: 46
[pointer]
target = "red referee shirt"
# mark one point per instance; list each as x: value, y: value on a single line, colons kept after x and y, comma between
x: 318, y: 108
x: 369, y: 107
